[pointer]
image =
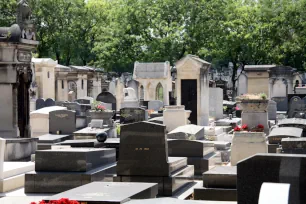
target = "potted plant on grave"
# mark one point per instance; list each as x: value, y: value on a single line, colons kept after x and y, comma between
x: 253, y: 102
x: 100, y: 112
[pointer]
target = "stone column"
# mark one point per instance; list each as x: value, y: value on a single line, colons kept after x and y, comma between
x: 290, y: 86
x: 203, y: 112
x: 271, y: 83
x: 166, y: 95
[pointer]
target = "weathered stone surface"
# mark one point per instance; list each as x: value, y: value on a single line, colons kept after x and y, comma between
x: 106, y: 192
x: 175, y: 201
x: 220, y: 177
x: 246, y: 144
x: 132, y: 115
x: 51, y: 139
x: 215, y: 194
x: 277, y: 134
x: 73, y: 159
x: 274, y: 168
x: 189, y: 148
x: 57, y: 182
x: 167, y: 185
x: 62, y: 122
x: 187, y: 132
x: 155, y: 105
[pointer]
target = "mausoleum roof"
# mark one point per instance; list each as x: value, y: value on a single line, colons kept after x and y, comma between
x: 151, y: 70
x: 258, y: 67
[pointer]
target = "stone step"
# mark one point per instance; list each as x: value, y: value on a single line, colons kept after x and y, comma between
x: 56, y: 182
x: 220, y: 177
x: 215, y: 194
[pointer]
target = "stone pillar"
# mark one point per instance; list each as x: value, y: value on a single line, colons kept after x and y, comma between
x: 271, y: 83
x: 166, y: 95
x: 2, y: 152
x: 203, y: 112
x: 290, y: 86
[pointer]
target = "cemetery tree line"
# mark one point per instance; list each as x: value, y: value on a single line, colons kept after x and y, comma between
x: 114, y: 34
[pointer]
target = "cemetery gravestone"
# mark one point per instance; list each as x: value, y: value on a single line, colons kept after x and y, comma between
x: 220, y: 180
x: 143, y: 157
x: 49, y: 102
x: 91, y: 193
x: 40, y: 103
x: 198, y: 153
x: 281, y: 102
x: 155, y: 105
x: 274, y: 168
x: 107, y: 97
x: 272, y: 109
x: 132, y: 115
x: 274, y: 193
x: 293, y: 122
x: 62, y: 122
x: 187, y: 132
x: 294, y: 145
x: 295, y: 105
x: 58, y: 170
x: 82, y: 101
x: 278, y: 133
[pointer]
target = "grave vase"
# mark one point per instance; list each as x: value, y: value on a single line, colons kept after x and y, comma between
x: 249, y: 105
x: 106, y: 116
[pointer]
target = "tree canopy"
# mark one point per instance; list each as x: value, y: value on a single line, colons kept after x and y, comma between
x: 113, y: 34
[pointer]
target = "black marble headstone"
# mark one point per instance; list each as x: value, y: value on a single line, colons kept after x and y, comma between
x: 143, y: 150
x: 132, y: 115
x: 189, y: 148
x: 107, y: 97
x: 62, y: 122
x: 40, y: 103
x: 281, y: 103
x: 275, y: 168
x: 49, y: 102
x: 73, y: 159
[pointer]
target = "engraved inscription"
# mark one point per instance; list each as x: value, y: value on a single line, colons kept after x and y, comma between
x: 61, y: 115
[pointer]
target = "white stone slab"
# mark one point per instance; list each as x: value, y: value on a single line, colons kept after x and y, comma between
x: 274, y: 193
x: 246, y: 144
x: 16, y: 168
x: 12, y: 183
x: 213, y: 131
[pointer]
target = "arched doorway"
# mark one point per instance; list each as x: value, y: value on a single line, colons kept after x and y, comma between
x: 159, y: 92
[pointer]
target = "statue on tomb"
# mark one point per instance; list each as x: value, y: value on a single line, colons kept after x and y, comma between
x: 24, y: 20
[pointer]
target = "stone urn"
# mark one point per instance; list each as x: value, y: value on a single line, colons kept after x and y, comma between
x: 246, y: 144
x: 254, y: 105
x: 106, y: 116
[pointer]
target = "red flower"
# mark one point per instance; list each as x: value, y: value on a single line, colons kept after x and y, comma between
x: 237, y: 108
x: 260, y: 126
x: 237, y: 128
x: 60, y: 201
x: 244, y: 127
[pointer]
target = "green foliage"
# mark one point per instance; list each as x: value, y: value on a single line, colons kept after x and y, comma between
x: 114, y: 34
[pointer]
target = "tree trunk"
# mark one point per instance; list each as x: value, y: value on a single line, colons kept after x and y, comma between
x: 234, y: 80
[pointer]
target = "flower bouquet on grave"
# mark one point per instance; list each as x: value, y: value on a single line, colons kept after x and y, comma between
x: 60, y: 201
x: 258, y: 128
x: 243, y: 128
